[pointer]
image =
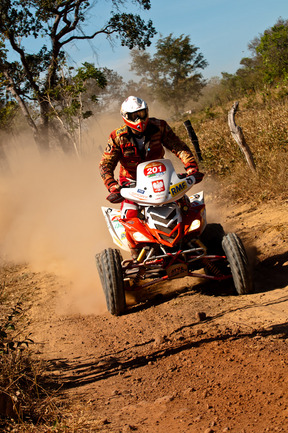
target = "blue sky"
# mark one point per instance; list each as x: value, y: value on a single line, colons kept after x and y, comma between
x: 221, y: 29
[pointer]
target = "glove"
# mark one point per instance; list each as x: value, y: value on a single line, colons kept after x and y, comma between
x: 191, y: 171
x: 194, y: 172
x: 198, y: 176
x: 114, y: 188
x: 115, y: 196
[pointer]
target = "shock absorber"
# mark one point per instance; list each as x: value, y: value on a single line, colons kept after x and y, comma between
x: 141, y: 272
x: 212, y: 268
x: 142, y: 257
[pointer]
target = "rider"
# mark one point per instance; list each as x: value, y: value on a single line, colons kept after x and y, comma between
x: 140, y: 139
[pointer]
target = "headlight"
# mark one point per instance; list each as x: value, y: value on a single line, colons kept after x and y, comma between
x: 138, y: 237
x: 195, y: 225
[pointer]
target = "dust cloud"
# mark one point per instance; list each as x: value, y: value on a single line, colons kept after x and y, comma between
x: 51, y: 214
x: 51, y: 218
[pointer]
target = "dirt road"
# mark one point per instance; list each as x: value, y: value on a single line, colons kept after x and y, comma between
x: 159, y: 368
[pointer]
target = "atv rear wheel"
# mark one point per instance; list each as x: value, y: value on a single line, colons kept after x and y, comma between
x: 108, y: 263
x: 238, y: 262
x: 212, y: 237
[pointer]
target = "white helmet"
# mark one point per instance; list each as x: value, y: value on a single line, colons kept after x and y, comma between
x: 135, y: 113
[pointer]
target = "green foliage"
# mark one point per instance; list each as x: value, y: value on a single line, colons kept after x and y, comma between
x: 74, y: 92
x: 172, y: 72
x: 132, y: 30
x: 112, y: 94
x: 267, y: 66
x: 273, y: 49
x: 34, y: 78
x: 8, y: 110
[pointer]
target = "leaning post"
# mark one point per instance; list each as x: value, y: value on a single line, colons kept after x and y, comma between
x: 238, y: 136
x: 194, y: 139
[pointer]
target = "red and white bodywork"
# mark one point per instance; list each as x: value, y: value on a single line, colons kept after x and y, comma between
x: 166, y: 216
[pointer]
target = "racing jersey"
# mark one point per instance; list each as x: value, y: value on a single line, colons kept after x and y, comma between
x: 122, y: 147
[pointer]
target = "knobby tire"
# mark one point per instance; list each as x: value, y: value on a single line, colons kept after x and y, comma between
x: 239, y: 265
x: 108, y: 264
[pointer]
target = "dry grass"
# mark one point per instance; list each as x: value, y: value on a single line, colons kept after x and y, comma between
x: 265, y: 128
x: 28, y: 402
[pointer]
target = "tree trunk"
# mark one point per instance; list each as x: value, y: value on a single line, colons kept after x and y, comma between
x: 42, y: 134
x: 12, y: 88
x: 238, y: 136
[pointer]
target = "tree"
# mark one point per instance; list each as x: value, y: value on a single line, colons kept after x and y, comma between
x: 113, y: 94
x: 247, y: 79
x: 72, y: 100
x: 8, y: 111
x: 32, y: 77
x: 267, y: 66
x: 171, y: 72
x: 273, y: 49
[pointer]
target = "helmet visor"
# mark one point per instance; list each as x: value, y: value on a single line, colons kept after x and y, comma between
x: 138, y: 115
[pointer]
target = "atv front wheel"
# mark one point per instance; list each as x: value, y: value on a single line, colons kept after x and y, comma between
x: 108, y: 263
x: 238, y: 262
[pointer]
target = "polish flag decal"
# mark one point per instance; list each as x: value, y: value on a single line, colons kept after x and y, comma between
x: 158, y: 186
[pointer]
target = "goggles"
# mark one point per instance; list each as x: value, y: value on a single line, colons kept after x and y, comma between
x: 138, y: 115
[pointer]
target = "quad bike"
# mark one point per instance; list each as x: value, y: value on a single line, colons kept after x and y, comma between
x: 171, y: 236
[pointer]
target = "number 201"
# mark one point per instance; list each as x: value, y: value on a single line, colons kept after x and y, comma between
x: 153, y: 170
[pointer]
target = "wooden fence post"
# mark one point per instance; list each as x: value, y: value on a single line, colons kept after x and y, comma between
x: 238, y: 136
x: 194, y: 139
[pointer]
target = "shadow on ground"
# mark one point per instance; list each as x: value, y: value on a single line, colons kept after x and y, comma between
x: 79, y: 372
x: 270, y: 274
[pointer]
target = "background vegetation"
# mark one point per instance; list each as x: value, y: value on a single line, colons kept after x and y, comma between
x: 40, y: 92
x: 55, y: 101
x: 27, y: 396
x: 265, y: 127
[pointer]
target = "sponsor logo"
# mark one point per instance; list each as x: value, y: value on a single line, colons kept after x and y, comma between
x: 178, y: 270
x: 117, y: 225
x: 179, y: 187
x: 121, y: 130
x: 139, y: 196
x: 108, y: 148
x: 141, y: 191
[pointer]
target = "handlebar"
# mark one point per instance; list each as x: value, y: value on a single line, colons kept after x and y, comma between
x: 182, y: 175
x: 197, y: 175
x: 128, y: 184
